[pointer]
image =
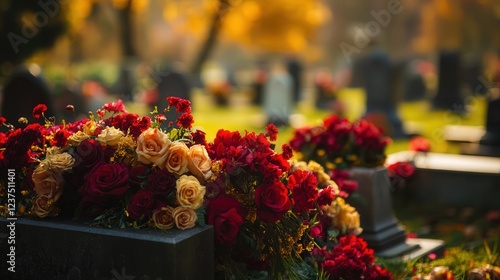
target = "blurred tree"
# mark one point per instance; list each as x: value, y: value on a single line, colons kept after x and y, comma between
x: 29, y: 26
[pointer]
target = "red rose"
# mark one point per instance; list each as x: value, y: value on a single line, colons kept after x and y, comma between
x: 39, y: 110
x: 226, y: 215
x: 138, y: 175
x: 316, y: 230
x: 419, y: 144
x: 402, y: 169
x: 272, y: 201
x: 88, y: 154
x: 105, y: 183
x: 142, y: 203
x: 161, y: 182
x: 304, y: 193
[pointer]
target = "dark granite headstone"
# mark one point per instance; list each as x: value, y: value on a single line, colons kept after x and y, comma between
x: 492, y: 135
x: 381, y: 230
x: 172, y: 83
x: 22, y: 92
x: 379, y: 84
x: 449, y: 96
x: 294, y: 68
x: 48, y: 249
x: 414, y: 85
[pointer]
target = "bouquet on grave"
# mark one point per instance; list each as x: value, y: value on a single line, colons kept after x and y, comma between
x: 118, y: 168
x: 273, y: 217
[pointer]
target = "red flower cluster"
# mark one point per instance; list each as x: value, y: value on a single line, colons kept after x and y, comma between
x: 419, y: 144
x: 122, y: 168
x: 340, y: 143
x: 350, y: 259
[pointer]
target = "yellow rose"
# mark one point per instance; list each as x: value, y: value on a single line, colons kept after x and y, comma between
x: 89, y: 127
x: 76, y: 138
x: 152, y: 147
x: 344, y: 217
x: 199, y: 163
x: 47, y: 183
x: 163, y: 218
x: 110, y: 136
x: 59, y: 162
x: 190, y: 193
x: 54, y: 150
x: 177, y: 158
x: 185, y: 218
x: 43, y: 206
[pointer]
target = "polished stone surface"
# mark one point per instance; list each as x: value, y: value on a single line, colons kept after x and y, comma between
x: 53, y: 249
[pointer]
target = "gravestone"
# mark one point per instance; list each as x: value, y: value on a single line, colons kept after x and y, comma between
x: 448, y: 96
x: 414, y: 87
x: 278, y: 97
x: 22, y: 92
x: 492, y: 135
x: 172, y: 83
x: 294, y: 68
x: 379, y: 85
x: 258, y: 86
x: 325, y: 91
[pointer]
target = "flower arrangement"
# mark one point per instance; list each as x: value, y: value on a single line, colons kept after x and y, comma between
x: 272, y: 216
x: 339, y: 143
x: 123, y: 170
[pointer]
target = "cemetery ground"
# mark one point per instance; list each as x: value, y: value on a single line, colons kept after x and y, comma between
x: 456, y: 226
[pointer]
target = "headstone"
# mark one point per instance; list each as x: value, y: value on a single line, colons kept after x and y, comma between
x: 379, y: 85
x: 22, y: 92
x: 278, y: 97
x: 172, y: 83
x: 294, y: 68
x: 258, y: 83
x: 492, y: 135
x: 414, y: 87
x: 448, y: 96
x: 325, y: 90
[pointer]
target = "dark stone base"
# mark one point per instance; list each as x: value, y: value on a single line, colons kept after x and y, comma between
x: 452, y: 180
x: 50, y: 249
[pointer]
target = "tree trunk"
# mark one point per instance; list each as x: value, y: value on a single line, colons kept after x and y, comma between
x: 211, y: 38
x: 127, y: 30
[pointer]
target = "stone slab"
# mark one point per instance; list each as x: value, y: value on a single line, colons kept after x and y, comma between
x: 453, y: 180
x: 50, y: 249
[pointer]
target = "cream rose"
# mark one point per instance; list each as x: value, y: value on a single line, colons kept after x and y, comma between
x: 59, y: 162
x: 43, y: 206
x: 47, y: 183
x: 163, y: 218
x: 190, y: 193
x: 185, y: 218
x: 177, y: 158
x: 78, y: 137
x: 110, y: 136
x: 152, y: 147
x: 199, y: 163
